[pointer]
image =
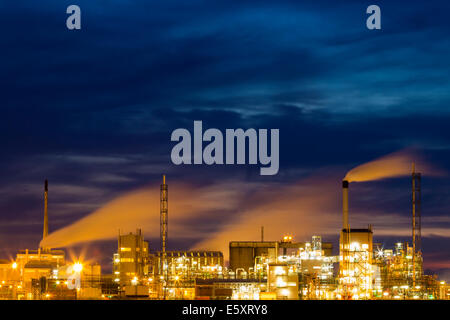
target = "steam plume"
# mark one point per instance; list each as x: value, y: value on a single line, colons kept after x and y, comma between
x: 396, y: 164
x: 140, y: 209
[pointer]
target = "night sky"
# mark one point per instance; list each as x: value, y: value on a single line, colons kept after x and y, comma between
x: 93, y: 110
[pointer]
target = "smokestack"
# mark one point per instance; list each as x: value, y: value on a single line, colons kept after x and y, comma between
x: 345, y: 203
x: 45, y: 233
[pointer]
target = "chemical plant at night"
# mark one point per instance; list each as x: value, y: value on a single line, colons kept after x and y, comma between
x: 256, y: 270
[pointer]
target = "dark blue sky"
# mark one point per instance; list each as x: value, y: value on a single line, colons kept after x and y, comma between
x: 93, y: 110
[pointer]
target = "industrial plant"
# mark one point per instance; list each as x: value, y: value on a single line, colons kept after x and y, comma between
x: 256, y: 270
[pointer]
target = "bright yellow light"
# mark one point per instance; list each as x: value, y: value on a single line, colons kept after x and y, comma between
x: 14, y: 265
x: 77, y: 267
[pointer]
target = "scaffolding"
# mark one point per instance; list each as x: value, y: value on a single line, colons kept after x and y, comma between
x: 164, y: 229
x: 416, y: 222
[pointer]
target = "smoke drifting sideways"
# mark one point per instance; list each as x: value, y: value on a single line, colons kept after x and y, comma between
x: 397, y: 164
x: 310, y: 206
x: 302, y: 208
x: 140, y: 209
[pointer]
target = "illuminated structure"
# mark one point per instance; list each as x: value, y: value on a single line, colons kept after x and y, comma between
x: 311, y: 262
x: 130, y: 263
x: 356, y: 271
x: 416, y: 225
x: 316, y: 271
x: 230, y: 289
x: 396, y: 269
x: 164, y: 194
x: 283, y: 281
x: 258, y: 269
x: 355, y: 259
x: 189, y: 264
x: 246, y: 256
x: 183, y: 269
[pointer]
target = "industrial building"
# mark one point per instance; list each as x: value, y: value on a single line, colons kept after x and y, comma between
x: 257, y: 270
x: 188, y: 263
x: 356, y: 269
x: 244, y: 254
x: 230, y: 289
x: 44, y: 273
x: 131, y: 261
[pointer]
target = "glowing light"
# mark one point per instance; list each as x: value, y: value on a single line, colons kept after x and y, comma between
x: 77, y: 267
x: 14, y: 265
x: 380, y: 253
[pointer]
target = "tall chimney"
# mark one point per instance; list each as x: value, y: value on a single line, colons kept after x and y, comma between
x: 345, y: 203
x: 45, y: 233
